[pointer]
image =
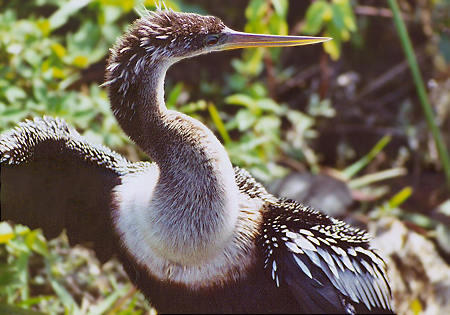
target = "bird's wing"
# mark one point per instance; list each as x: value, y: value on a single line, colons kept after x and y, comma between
x: 52, y: 178
x: 322, y: 260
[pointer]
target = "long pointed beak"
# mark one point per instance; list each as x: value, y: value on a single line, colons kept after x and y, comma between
x: 235, y: 40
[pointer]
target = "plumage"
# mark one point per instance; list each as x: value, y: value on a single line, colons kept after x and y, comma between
x: 194, y: 234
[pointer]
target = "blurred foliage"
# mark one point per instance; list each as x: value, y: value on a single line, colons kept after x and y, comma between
x: 49, y: 277
x: 337, y: 20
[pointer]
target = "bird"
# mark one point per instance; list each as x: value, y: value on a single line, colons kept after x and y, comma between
x: 194, y: 233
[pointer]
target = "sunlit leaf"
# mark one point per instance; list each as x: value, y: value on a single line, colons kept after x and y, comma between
x: 338, y: 16
x: 58, y: 73
x: 356, y: 167
x: 214, y: 113
x: 245, y: 119
x: 15, y: 310
x: 61, y: 16
x: 242, y: 99
x: 269, y: 105
x: 315, y: 16
x: 400, y: 197
x: 14, y: 93
x: 416, y: 307
x: 59, y: 50
x: 6, y: 232
x: 174, y: 94
x: 80, y: 61
x: 65, y: 297
x: 281, y: 7
x: 44, y: 26
x: 349, y: 17
x: 332, y: 47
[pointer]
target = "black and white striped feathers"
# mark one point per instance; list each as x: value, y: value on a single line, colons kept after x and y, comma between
x: 320, y: 246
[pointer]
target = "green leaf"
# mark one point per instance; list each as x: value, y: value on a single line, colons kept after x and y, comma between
x: 245, y: 119
x: 333, y: 47
x: 8, y: 276
x: 281, y: 7
x: 353, y: 169
x: 108, y: 302
x: 80, y: 61
x: 61, y: 16
x: 6, y: 232
x: 192, y: 107
x: 400, y: 197
x: 338, y: 16
x: 315, y: 16
x: 277, y: 25
x: 256, y: 9
x: 14, y: 310
x: 14, y: 114
x: 33, y: 301
x: 59, y: 50
x: 64, y: 296
x: 268, y: 125
x: 214, y: 113
x: 36, y: 242
x: 347, y: 12
x: 244, y: 100
x: 174, y: 94
x: 14, y: 93
x: 269, y: 105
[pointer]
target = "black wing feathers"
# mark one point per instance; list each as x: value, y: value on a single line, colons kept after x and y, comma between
x: 51, y: 178
x: 328, y: 266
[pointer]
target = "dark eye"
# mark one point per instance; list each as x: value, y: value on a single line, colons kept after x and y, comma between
x: 211, y: 39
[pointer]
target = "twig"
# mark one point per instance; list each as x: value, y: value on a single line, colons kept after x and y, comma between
x: 292, y: 163
x: 120, y: 302
x: 299, y: 78
x: 383, y: 79
x: 381, y: 12
x: 376, y: 177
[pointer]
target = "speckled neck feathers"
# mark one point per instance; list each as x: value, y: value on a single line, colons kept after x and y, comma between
x: 191, y: 210
x: 138, y: 63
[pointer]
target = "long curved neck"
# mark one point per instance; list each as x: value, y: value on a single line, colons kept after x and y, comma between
x: 139, y: 107
x: 193, y: 207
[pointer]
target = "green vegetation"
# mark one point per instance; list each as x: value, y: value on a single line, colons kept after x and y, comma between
x: 271, y: 108
x: 420, y: 87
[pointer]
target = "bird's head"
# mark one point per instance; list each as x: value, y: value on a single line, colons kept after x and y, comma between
x: 165, y: 36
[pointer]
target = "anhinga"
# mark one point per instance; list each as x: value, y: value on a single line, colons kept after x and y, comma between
x: 193, y: 233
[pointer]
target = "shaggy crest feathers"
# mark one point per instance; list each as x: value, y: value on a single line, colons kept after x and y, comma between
x: 159, y: 35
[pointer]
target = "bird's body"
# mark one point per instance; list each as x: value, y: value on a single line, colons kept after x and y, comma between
x: 193, y: 233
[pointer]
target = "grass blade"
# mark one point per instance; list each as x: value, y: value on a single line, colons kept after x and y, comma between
x: 420, y: 87
x: 354, y: 169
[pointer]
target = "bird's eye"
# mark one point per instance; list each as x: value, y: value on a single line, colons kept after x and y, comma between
x: 211, y: 39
